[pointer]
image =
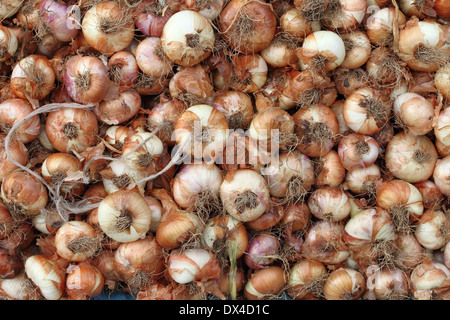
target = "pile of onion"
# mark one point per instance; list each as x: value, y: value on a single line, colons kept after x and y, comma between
x: 225, y: 149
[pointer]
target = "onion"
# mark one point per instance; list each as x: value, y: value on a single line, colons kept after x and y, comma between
x: 345, y: 15
x: 47, y: 275
x: 441, y: 78
x: 84, y: 281
x: 344, y: 284
x: 209, y: 9
x: 322, y: 51
x: 430, y: 192
x: 328, y: 170
x: 432, y: 230
x: 14, y: 110
x: 441, y: 176
x: 62, y: 22
x: 202, y: 131
x: 423, y: 45
x: 380, y: 25
x: 291, y: 177
x: 370, y: 234
x: 306, y: 280
x: 190, y: 45
x: 244, y: 194
x: 9, y: 43
x: 265, y: 283
x: 362, y: 181
x: 60, y: 170
x: 196, y: 187
x: 366, y: 111
x: 193, y: 264
x: 163, y: 117
x: 23, y: 194
x: 262, y: 251
x: 328, y: 203
x: 120, y: 110
x: 411, y: 158
x: 272, y: 128
x: 71, y: 129
x: 124, y: 216
x: 152, y: 15
x: 442, y: 132
x: 268, y: 219
x: 249, y: 72
x: 151, y: 59
x: 316, y: 127
x: 192, y: 85
x: 414, y: 113
x: 140, y: 262
x: 247, y: 26
x: 87, y: 81
x: 429, y: 278
x: 349, y: 80
x: 237, y: 107
x: 387, y: 283
x: 77, y: 241
x: 176, y: 225
x: 358, y: 151
x: 33, y: 77
x: 357, y: 49
x: 386, y: 69
x: 224, y: 234
x: 281, y: 52
x: 294, y: 23
x: 324, y: 242
x: 107, y: 27
x: 123, y: 69
x: 403, y: 201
